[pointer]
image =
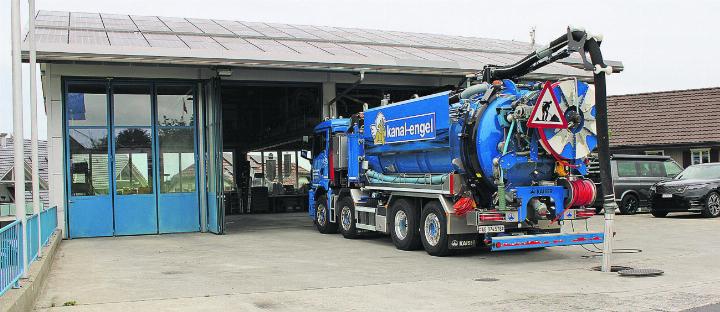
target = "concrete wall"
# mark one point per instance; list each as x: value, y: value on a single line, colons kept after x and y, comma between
x: 52, y: 75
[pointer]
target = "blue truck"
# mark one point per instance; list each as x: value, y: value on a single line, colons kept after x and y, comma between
x: 499, y: 162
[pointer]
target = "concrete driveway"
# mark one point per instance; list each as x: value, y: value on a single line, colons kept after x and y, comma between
x: 280, y: 263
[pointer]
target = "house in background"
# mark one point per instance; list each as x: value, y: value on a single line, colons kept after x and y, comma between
x: 7, y: 172
x: 682, y: 124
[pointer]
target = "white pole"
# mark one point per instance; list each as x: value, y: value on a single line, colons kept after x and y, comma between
x: 18, y: 139
x: 34, y: 124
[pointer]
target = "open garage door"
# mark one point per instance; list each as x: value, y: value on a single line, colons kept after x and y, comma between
x: 214, y: 162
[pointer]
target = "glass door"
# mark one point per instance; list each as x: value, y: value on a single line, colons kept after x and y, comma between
x: 214, y: 145
x: 135, y: 200
x: 90, y: 202
x: 178, y: 203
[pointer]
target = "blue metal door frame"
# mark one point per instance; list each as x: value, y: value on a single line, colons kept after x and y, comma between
x: 105, y: 215
x: 137, y: 213
x: 92, y: 215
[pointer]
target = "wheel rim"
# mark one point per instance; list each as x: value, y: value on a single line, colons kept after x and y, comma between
x: 345, y: 216
x: 401, y: 224
x: 320, y: 215
x: 631, y: 205
x: 432, y: 229
x: 714, y: 204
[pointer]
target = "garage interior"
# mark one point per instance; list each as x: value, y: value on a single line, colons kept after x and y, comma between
x: 263, y: 128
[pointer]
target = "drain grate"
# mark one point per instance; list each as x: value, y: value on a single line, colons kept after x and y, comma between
x: 641, y: 272
x: 614, y: 268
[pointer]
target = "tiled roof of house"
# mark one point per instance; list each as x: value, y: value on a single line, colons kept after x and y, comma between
x: 6, y: 163
x: 670, y: 117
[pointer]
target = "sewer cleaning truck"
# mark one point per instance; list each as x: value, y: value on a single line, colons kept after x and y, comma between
x: 499, y: 162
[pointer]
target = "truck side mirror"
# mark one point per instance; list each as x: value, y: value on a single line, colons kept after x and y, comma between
x: 305, y: 154
x: 306, y: 139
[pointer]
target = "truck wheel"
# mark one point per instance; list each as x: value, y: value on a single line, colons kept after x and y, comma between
x: 629, y: 204
x: 434, y: 230
x: 712, y: 205
x: 346, y: 217
x: 322, y: 220
x: 404, y: 228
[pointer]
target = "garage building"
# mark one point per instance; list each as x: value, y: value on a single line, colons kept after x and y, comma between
x: 164, y: 125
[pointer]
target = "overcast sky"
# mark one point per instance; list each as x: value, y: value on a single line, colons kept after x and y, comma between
x: 664, y: 45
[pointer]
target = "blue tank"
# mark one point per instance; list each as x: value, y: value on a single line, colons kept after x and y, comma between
x: 419, y: 136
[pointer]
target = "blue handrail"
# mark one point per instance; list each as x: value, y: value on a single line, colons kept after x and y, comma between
x: 11, y: 244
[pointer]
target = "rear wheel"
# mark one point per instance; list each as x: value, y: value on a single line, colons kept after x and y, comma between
x: 347, y: 217
x: 322, y: 214
x: 659, y: 214
x: 712, y: 205
x: 404, y: 228
x: 434, y: 230
x: 629, y: 204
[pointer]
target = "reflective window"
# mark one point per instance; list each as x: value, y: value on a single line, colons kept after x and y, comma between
x: 133, y: 161
x: 175, y: 105
x: 672, y: 168
x: 177, y: 160
x: 132, y: 105
x: 626, y: 169
x: 229, y: 172
x: 89, y: 162
x: 86, y: 104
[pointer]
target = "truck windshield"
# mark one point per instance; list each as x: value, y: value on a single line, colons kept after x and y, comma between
x: 318, y: 143
x: 700, y: 172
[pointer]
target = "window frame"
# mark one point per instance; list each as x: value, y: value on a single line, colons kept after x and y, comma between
x: 702, y: 151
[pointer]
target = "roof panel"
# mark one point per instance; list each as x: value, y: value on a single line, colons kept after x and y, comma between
x: 237, y: 44
x: 128, y: 39
x: 149, y: 23
x: 266, y: 30
x: 209, y: 26
x: 335, y: 49
x: 118, y: 22
x: 180, y: 25
x: 274, y: 43
x: 271, y: 46
x: 51, y: 35
x: 238, y: 28
x: 201, y: 42
x: 165, y: 41
x: 88, y: 37
x: 303, y: 47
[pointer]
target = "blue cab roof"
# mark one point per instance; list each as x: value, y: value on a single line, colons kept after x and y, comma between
x: 336, y: 124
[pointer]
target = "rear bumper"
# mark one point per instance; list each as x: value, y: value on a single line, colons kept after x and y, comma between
x: 500, y: 243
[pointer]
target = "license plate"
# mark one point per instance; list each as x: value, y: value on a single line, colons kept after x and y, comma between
x: 666, y: 195
x: 491, y: 229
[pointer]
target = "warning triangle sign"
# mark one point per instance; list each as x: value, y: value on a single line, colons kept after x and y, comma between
x: 547, y: 112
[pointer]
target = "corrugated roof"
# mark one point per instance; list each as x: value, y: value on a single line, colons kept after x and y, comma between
x: 105, y: 37
x: 670, y: 117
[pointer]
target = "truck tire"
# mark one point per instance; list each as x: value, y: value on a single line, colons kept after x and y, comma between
x: 433, y: 230
x: 346, y: 217
x: 629, y: 204
x: 712, y: 205
x: 404, y: 228
x: 322, y: 217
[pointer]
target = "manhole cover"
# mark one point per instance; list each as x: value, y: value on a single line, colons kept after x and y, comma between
x: 486, y: 279
x: 614, y: 268
x: 641, y: 272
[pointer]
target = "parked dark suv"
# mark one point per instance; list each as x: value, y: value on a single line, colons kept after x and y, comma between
x: 695, y: 189
x: 633, y: 175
